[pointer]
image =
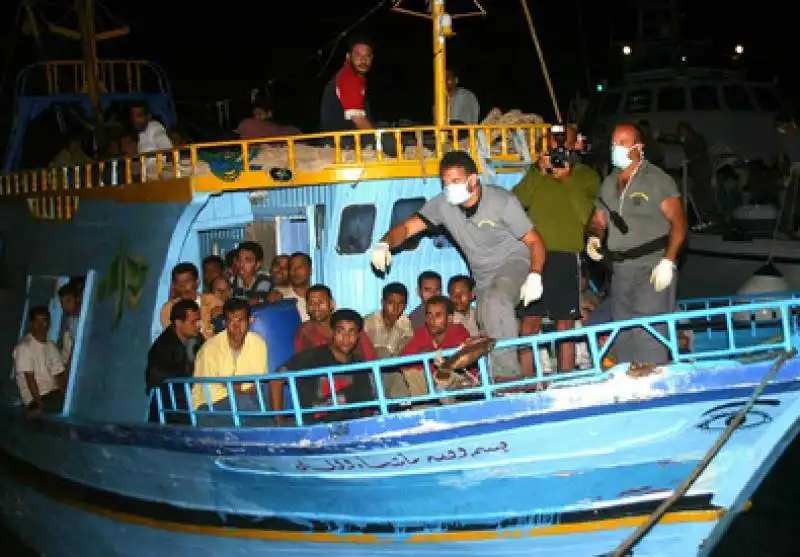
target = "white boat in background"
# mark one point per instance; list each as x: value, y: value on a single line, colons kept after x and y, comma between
x: 666, y: 82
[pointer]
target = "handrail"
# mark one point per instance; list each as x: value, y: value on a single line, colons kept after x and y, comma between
x: 218, y: 166
x: 785, y: 324
x: 67, y: 77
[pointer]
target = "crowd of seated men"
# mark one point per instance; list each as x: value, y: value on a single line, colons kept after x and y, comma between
x: 208, y: 334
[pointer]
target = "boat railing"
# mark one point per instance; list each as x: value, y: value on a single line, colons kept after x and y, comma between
x: 308, y: 159
x: 775, y: 326
x: 69, y: 77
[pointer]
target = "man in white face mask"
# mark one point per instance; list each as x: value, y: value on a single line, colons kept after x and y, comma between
x: 639, y: 209
x: 495, y: 235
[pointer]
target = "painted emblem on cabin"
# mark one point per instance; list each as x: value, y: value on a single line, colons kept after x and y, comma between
x: 125, y: 281
x: 227, y: 165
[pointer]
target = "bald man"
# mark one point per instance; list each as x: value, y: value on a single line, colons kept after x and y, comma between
x: 639, y: 209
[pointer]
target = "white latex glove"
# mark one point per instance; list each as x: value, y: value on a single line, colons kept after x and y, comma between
x: 531, y: 289
x: 381, y: 257
x: 593, y: 248
x: 662, y: 275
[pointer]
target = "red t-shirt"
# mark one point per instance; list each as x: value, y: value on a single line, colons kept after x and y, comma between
x: 312, y: 335
x: 351, y: 88
x: 422, y: 341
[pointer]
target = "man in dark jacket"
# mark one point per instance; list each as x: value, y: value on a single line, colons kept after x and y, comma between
x: 172, y: 355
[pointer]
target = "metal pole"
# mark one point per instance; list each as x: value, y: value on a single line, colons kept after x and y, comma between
x: 439, y: 65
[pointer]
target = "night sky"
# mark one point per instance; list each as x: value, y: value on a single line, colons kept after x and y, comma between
x: 222, y: 49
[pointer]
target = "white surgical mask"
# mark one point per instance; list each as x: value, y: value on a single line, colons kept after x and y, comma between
x: 457, y: 194
x: 619, y: 157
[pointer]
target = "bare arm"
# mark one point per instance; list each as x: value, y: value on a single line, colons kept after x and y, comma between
x: 276, y: 395
x: 362, y: 123
x: 403, y: 231
x: 30, y: 381
x: 597, y: 224
x: 535, y: 244
x: 672, y: 209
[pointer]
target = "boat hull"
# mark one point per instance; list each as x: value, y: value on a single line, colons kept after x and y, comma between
x: 713, y: 267
x: 567, y: 471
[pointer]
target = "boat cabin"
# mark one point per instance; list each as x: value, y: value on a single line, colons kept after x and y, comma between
x: 125, y: 223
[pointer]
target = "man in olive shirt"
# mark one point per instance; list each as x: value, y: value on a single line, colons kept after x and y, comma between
x: 560, y: 202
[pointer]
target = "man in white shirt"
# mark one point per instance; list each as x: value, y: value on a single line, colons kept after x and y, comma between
x: 462, y: 104
x: 38, y: 367
x: 152, y: 134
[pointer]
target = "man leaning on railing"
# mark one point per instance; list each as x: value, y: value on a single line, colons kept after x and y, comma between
x: 346, y: 325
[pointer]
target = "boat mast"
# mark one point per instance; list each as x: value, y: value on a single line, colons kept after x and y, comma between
x: 442, y: 30
x: 85, y: 11
x: 438, y: 15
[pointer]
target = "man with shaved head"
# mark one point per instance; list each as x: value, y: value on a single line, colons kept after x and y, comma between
x: 640, y: 213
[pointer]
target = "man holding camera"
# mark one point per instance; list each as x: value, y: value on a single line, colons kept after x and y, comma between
x: 559, y: 197
x: 639, y: 208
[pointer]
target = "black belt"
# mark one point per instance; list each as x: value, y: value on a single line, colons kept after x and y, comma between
x: 639, y: 251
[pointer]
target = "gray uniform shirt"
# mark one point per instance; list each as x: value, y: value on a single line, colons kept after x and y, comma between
x: 490, y: 237
x: 639, y: 204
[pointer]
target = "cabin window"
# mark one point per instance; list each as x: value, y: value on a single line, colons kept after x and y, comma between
x: 403, y: 209
x: 356, y: 228
x: 736, y: 98
x: 767, y: 100
x: 610, y: 104
x: 705, y: 97
x: 220, y: 241
x: 671, y: 99
x: 638, y: 101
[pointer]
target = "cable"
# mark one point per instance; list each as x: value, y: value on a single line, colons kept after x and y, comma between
x: 541, y: 59
x: 330, y: 45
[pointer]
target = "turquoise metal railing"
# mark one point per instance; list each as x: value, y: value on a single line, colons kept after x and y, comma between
x: 740, y: 328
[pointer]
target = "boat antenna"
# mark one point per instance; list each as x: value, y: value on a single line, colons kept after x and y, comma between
x: 442, y: 30
x: 542, y: 63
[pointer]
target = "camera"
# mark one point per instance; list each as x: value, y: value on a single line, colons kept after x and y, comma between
x: 560, y: 155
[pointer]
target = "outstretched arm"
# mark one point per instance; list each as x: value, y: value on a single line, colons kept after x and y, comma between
x: 403, y: 231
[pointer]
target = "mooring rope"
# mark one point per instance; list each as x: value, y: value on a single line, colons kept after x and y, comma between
x: 624, y: 548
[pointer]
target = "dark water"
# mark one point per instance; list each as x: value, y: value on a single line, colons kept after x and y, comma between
x: 768, y: 529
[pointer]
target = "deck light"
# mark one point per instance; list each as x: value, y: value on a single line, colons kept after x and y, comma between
x: 626, y: 50
x: 739, y: 49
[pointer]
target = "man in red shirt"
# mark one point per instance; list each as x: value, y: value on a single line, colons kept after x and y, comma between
x: 344, y: 104
x: 438, y: 333
x: 317, y: 332
x: 344, y: 100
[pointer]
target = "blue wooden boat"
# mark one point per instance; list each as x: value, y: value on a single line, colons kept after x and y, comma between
x: 568, y: 470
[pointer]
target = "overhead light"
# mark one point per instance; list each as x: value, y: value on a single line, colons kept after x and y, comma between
x: 683, y: 59
x: 599, y: 87
x: 627, y: 50
x: 739, y: 49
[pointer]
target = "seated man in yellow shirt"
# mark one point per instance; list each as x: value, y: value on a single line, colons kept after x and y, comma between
x: 559, y: 198
x: 233, y: 352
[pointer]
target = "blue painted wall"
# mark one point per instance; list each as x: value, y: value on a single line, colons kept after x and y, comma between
x: 350, y: 276
x: 110, y: 381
